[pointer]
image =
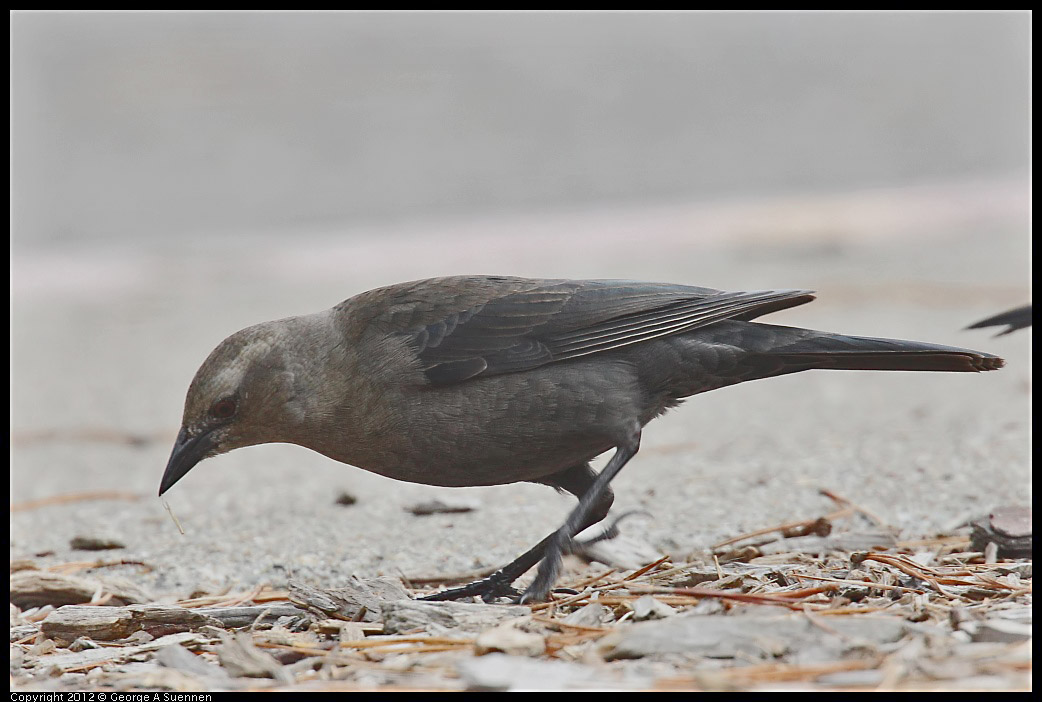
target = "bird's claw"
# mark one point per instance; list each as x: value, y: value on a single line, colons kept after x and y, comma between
x: 499, y: 584
x: 488, y: 589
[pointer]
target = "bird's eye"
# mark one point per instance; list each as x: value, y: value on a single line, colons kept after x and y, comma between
x: 223, y: 408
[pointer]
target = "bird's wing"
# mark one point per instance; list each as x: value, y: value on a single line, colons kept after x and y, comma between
x: 557, y: 320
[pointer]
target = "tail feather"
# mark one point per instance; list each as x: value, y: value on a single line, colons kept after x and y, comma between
x: 838, y: 352
x: 950, y: 361
x: 1017, y: 318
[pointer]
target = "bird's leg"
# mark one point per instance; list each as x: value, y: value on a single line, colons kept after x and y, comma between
x: 560, y: 541
x: 579, y: 547
x: 578, y: 480
x: 499, y: 583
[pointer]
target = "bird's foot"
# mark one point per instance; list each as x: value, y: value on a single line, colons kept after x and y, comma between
x: 489, y: 589
x: 500, y: 584
x: 578, y: 547
x: 560, y: 544
x: 549, y: 568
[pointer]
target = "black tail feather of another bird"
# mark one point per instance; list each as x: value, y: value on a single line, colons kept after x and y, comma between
x: 1014, y: 319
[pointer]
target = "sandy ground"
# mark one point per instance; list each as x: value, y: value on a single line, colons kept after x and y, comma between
x: 105, y: 343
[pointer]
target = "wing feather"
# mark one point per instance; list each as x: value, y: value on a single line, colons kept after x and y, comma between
x: 559, y: 320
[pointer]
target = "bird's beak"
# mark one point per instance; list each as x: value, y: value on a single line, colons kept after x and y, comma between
x: 188, y: 450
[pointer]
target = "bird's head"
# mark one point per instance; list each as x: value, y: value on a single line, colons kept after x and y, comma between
x: 243, y: 394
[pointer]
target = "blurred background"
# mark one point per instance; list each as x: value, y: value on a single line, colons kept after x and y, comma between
x: 178, y: 176
x: 132, y: 127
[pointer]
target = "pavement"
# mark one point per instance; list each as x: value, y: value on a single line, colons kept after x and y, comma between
x: 106, y: 339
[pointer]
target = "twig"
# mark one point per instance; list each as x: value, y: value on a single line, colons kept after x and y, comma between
x: 859, y: 583
x: 785, y: 599
x: 74, y: 497
x: 177, y: 522
x: 580, y: 627
x: 260, y: 616
x: 838, y: 514
x: 849, y: 503
x: 591, y: 580
x: 560, y: 603
x: 245, y: 598
x: 73, y: 566
x: 645, y: 569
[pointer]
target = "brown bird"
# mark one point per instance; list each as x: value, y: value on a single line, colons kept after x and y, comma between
x: 486, y: 380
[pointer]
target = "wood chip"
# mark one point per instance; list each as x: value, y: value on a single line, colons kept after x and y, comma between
x: 94, y: 543
x: 422, y: 509
x: 34, y: 588
x: 435, y: 617
x: 242, y: 659
x: 362, y: 599
x: 507, y: 638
